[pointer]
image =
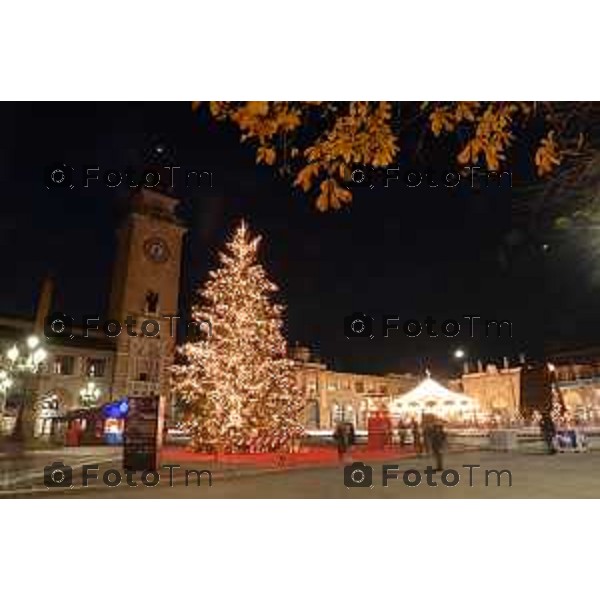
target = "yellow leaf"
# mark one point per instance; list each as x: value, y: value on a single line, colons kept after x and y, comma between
x: 465, y: 156
x: 547, y: 156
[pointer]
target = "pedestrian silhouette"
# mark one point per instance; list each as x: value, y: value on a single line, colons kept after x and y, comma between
x: 548, y: 432
x: 437, y: 439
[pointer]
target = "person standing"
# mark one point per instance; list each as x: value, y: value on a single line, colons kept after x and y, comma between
x: 417, y: 437
x: 401, y: 434
x: 548, y: 432
x: 427, y: 425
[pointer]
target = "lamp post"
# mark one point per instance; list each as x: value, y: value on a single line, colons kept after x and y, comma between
x: 90, y: 394
x: 5, y: 384
x: 26, y: 363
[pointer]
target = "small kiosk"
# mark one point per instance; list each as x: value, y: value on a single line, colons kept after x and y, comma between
x: 98, y: 425
x: 379, y: 428
x: 114, y: 414
x: 83, y: 427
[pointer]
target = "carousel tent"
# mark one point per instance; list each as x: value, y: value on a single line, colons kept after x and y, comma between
x: 433, y: 398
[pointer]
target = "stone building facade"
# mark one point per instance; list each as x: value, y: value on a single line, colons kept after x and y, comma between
x: 578, y: 377
x: 333, y: 396
x: 145, y: 288
x: 498, y: 390
x: 69, y: 367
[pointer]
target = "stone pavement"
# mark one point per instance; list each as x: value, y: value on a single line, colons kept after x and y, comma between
x: 24, y: 474
x: 533, y: 474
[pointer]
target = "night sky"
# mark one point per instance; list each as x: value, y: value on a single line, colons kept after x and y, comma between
x: 412, y: 252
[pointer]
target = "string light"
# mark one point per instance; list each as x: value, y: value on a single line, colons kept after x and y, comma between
x: 239, y: 385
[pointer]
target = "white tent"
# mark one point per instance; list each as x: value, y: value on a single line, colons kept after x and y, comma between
x: 433, y: 398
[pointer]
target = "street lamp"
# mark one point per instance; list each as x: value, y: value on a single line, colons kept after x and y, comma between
x: 459, y: 353
x: 90, y: 394
x: 30, y: 363
x: 5, y: 384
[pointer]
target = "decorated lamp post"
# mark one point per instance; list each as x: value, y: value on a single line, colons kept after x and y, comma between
x: 25, y: 363
x: 6, y: 383
x: 90, y: 394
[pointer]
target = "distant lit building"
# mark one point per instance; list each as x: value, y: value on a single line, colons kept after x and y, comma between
x: 503, y: 390
x: 578, y: 376
x: 69, y: 367
x: 334, y: 396
x: 497, y: 390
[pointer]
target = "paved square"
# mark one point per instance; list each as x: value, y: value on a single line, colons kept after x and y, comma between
x: 534, y: 475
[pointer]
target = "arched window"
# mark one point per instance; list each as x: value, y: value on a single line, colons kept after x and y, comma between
x: 348, y: 415
x: 313, y: 420
x: 337, y: 415
x: 343, y: 414
x: 363, y: 415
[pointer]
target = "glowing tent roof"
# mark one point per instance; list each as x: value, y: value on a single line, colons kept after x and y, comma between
x: 431, y: 397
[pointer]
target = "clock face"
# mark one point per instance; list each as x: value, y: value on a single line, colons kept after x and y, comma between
x: 156, y: 250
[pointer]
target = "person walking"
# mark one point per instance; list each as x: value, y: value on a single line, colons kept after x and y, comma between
x: 342, y: 438
x: 437, y: 440
x: 350, y: 438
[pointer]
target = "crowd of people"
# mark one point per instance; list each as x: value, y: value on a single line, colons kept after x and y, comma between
x: 427, y: 437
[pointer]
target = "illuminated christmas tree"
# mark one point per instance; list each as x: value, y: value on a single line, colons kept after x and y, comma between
x: 238, y: 384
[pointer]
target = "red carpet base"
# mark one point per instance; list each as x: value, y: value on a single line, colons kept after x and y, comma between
x: 306, y: 457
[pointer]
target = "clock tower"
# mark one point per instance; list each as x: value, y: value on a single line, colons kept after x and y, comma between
x: 145, y: 291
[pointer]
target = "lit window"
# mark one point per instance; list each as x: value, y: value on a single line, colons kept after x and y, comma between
x: 64, y: 365
x: 96, y: 367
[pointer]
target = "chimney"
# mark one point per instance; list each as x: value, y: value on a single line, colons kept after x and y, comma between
x: 44, y: 304
x: 479, y: 366
x: 522, y: 358
x: 466, y: 367
x: 505, y: 362
x: 301, y: 353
